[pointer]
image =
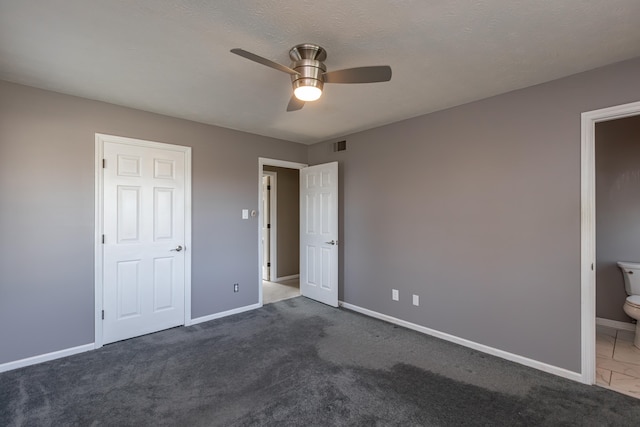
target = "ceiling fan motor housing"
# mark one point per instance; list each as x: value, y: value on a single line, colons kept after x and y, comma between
x: 307, y: 60
x: 310, y: 73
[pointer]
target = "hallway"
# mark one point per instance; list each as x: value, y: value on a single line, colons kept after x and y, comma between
x: 272, y: 291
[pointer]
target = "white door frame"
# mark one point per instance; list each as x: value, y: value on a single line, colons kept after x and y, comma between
x: 99, y: 223
x: 263, y: 161
x: 273, y: 220
x: 588, y: 230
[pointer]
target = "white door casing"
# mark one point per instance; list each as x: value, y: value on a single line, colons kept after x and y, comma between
x: 319, y: 233
x: 266, y: 235
x: 273, y: 225
x: 145, y: 223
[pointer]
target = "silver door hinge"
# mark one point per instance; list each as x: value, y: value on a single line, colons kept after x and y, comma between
x: 102, y: 314
x: 104, y: 163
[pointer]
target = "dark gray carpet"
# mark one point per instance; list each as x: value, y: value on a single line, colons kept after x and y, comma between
x: 298, y: 363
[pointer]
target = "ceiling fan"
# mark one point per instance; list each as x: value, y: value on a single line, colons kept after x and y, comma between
x: 309, y: 74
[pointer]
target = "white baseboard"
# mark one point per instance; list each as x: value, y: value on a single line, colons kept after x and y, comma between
x: 45, y: 357
x: 285, y: 278
x: 82, y: 348
x: 561, y: 372
x: 616, y: 324
x: 224, y: 314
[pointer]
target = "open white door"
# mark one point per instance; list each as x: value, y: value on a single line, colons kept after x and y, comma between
x: 319, y: 233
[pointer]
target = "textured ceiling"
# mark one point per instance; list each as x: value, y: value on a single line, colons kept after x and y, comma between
x: 172, y: 56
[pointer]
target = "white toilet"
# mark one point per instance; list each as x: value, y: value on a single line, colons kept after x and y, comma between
x: 631, y: 273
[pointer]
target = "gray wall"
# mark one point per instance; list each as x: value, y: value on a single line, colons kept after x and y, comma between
x: 477, y: 210
x: 617, y: 211
x: 288, y: 221
x: 47, y: 213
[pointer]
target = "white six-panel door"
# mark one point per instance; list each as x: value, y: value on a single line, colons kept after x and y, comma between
x: 144, y: 239
x: 319, y: 233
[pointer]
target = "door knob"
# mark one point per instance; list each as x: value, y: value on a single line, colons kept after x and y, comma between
x: 333, y: 242
x: 177, y: 248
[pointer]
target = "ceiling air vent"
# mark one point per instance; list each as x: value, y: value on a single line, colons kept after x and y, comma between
x: 340, y: 146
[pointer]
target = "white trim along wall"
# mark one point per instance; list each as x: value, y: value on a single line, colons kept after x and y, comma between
x: 224, y: 314
x: 466, y: 343
x: 616, y: 324
x: 41, y: 358
x: 285, y: 278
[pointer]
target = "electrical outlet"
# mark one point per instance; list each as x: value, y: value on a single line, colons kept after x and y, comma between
x: 416, y: 300
x: 236, y: 287
x: 394, y: 295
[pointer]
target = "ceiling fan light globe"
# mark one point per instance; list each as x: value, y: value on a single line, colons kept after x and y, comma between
x: 307, y: 93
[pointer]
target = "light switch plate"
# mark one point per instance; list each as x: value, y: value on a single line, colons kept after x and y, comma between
x: 416, y: 300
x: 394, y: 295
x: 245, y: 213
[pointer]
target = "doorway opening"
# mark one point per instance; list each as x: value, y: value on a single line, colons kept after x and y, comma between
x: 279, y: 201
x: 318, y: 229
x: 280, y: 233
x: 617, y: 176
x: 589, y: 259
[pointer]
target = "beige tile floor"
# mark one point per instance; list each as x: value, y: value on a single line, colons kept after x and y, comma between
x: 272, y: 292
x: 617, y: 361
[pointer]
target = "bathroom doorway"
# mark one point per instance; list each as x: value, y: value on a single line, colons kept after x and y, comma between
x: 617, y: 178
x: 280, y: 233
x: 607, y: 356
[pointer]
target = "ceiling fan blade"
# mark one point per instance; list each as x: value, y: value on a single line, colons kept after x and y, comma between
x: 264, y: 61
x: 295, y: 104
x: 378, y: 73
